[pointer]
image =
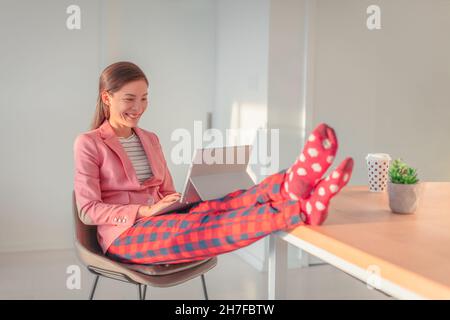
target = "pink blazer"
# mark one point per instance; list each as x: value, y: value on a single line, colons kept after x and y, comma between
x: 107, y: 190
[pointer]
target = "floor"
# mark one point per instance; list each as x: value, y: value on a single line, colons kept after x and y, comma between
x: 43, y: 275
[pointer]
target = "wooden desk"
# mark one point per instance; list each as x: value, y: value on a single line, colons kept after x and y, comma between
x: 405, y: 256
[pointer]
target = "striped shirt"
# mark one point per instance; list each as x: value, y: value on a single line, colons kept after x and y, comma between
x: 133, y: 147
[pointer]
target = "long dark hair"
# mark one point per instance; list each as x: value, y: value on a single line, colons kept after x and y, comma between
x: 112, y: 79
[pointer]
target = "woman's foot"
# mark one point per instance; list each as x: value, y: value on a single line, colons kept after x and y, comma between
x: 314, y: 210
x: 315, y: 159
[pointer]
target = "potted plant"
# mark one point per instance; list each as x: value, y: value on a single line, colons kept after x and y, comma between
x: 403, y: 187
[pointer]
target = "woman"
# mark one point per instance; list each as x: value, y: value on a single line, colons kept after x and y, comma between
x: 122, y: 179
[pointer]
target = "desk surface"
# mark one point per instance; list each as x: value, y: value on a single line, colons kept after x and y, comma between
x: 411, y: 250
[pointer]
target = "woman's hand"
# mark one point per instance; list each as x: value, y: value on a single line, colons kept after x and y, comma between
x: 147, y: 211
x: 171, y: 197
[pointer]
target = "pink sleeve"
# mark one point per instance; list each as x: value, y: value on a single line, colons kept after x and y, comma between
x: 91, y: 209
x: 167, y: 187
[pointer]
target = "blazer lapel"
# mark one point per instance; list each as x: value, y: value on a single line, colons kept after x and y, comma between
x: 150, y: 150
x: 109, y: 136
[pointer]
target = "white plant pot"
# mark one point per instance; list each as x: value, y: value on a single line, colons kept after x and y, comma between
x: 404, y: 198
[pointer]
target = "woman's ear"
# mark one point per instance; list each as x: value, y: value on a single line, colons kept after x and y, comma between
x: 106, y: 98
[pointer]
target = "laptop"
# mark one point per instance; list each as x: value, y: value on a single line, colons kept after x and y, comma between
x: 213, y: 173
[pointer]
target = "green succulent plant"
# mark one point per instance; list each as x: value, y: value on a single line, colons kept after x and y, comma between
x: 401, y: 173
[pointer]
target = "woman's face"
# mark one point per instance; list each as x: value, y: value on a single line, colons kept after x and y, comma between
x: 127, y: 105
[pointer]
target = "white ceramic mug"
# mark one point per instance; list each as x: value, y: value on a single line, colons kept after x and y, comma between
x: 378, y: 171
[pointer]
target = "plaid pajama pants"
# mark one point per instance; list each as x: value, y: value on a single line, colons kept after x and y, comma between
x: 209, y: 228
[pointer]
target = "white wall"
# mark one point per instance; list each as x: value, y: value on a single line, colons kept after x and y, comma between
x: 242, y: 40
x: 242, y: 36
x: 385, y: 90
x: 49, y: 80
x: 287, y: 84
x: 287, y: 76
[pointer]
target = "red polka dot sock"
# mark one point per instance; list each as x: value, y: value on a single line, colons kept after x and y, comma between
x: 315, y: 159
x: 314, y: 210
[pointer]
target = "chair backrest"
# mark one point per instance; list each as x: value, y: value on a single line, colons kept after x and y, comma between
x: 86, y: 235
